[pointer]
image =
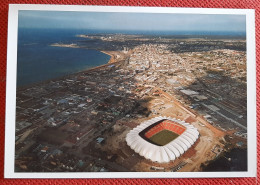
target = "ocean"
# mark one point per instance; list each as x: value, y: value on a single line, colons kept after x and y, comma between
x: 37, y: 61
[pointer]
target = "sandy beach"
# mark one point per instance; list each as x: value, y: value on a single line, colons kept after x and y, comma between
x: 115, y: 55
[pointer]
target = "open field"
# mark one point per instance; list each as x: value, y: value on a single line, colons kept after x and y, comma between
x: 163, y: 137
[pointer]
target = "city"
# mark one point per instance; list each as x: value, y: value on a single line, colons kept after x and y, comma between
x: 79, y: 122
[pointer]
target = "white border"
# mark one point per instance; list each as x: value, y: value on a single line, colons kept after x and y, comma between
x: 11, y: 92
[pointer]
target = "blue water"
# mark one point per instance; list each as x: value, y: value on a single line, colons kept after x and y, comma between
x: 37, y: 61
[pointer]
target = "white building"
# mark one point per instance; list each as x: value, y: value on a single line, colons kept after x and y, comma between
x: 167, y: 152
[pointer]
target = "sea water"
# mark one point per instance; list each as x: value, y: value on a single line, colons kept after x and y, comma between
x: 38, y: 61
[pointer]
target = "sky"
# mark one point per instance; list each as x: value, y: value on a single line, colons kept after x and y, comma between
x: 132, y: 21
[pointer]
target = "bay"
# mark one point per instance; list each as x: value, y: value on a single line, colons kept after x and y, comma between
x: 37, y: 61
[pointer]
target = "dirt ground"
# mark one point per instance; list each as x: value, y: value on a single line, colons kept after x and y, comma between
x: 160, y: 106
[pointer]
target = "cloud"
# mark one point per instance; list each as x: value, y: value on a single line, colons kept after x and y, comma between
x: 131, y: 21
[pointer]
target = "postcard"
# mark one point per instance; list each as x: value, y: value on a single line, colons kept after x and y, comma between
x: 130, y: 92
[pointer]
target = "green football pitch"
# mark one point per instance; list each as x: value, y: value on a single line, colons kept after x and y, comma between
x: 163, y: 137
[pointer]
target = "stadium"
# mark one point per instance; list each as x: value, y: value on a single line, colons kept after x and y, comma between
x: 162, y: 139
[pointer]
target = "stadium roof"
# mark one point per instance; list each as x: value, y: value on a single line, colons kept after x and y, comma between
x: 168, y: 152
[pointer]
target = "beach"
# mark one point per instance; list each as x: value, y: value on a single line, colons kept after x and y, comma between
x: 116, y: 55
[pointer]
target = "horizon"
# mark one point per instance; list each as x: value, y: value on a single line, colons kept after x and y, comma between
x: 134, y: 22
x: 146, y: 32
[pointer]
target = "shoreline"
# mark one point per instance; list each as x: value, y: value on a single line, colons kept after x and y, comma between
x: 66, y: 76
x: 64, y: 45
x: 115, y: 57
x: 211, y: 142
x: 112, y: 57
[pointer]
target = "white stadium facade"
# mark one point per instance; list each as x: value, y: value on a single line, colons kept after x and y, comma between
x: 139, y: 139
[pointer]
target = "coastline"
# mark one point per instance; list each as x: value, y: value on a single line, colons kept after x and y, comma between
x: 68, y: 75
x: 114, y: 55
x: 65, y: 45
x: 118, y: 59
x: 115, y: 58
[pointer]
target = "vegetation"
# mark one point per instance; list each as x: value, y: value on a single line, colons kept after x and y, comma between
x: 163, y: 137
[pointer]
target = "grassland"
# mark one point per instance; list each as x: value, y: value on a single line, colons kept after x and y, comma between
x: 163, y: 137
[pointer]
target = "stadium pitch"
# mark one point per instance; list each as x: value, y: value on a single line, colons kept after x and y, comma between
x: 163, y: 137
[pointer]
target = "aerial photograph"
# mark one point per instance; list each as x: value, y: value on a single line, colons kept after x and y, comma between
x: 131, y: 92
